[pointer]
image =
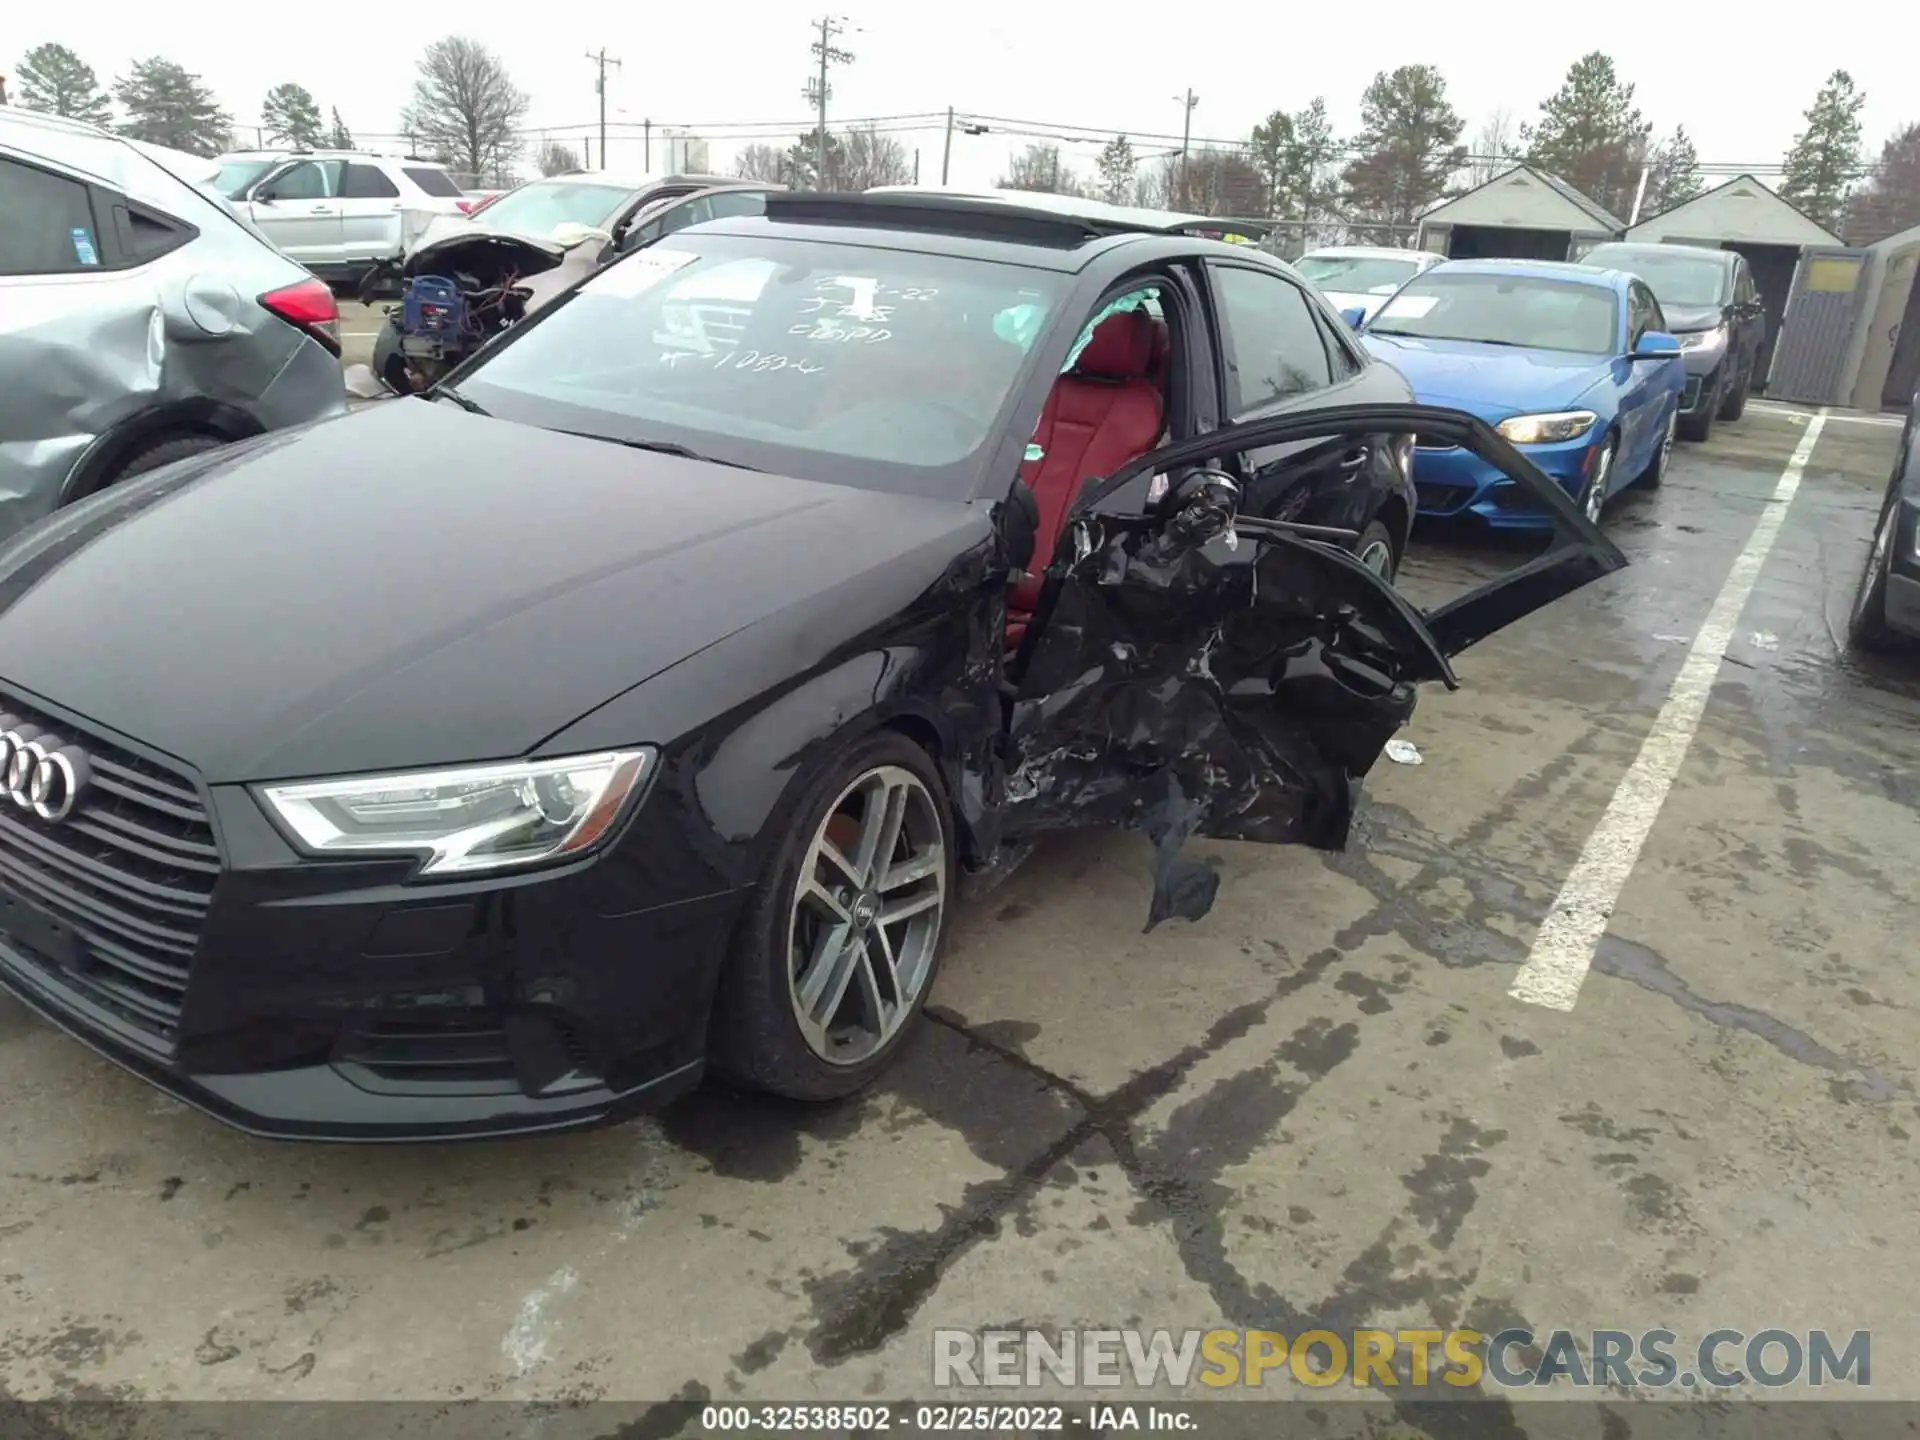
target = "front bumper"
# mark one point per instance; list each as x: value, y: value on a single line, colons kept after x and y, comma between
x: 1703, y: 383
x: 308, y: 1001
x: 1454, y: 482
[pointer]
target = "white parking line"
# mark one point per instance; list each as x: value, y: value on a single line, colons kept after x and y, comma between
x: 1888, y: 422
x: 1563, y: 949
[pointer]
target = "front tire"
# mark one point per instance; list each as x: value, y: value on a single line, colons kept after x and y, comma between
x: 1656, y: 471
x: 836, y: 954
x: 162, y: 452
x: 1867, y: 627
x: 1594, y: 498
x: 1735, y: 405
x: 1698, y: 426
x: 1374, y: 549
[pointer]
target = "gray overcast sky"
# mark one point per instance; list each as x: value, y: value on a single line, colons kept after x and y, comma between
x: 1738, y: 85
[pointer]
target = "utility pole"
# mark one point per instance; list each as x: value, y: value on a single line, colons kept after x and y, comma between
x: 646, y: 155
x: 946, y: 155
x: 1640, y: 192
x: 817, y: 90
x: 1186, y: 139
x: 916, y: 164
x: 600, y: 62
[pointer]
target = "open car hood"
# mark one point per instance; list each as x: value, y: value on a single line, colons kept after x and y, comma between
x: 478, y: 250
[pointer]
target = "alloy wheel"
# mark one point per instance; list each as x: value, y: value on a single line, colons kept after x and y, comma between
x: 1378, y: 557
x: 867, y: 910
x: 1596, y: 499
x: 1865, y: 597
x: 1666, y: 441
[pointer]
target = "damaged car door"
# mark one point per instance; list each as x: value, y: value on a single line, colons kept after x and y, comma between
x: 1195, y: 671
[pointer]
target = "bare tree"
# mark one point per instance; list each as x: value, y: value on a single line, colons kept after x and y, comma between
x: 868, y: 158
x: 761, y: 162
x: 1040, y: 168
x: 558, y: 159
x: 466, y: 109
x: 1218, y: 182
x: 1493, y: 150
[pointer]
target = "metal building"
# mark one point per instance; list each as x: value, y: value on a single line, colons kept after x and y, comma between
x: 1881, y: 370
x: 1521, y: 214
x: 1747, y: 216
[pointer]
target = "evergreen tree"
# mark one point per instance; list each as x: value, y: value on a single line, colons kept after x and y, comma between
x: 1408, y: 147
x: 1117, y: 165
x: 1825, y: 156
x: 1271, y: 152
x: 1293, y: 153
x: 1675, y: 176
x: 339, y: 137
x: 1890, y: 202
x: 290, y: 115
x: 55, y: 80
x: 167, y: 105
x: 1590, y: 133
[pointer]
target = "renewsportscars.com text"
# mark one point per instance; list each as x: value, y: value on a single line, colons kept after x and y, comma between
x: 1385, y: 1359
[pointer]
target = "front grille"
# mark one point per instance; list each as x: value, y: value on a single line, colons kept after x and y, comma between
x: 115, y: 895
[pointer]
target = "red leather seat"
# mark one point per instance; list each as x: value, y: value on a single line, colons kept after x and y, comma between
x: 1101, y: 414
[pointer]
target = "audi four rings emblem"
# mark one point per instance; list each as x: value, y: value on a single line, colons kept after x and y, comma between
x: 39, y: 770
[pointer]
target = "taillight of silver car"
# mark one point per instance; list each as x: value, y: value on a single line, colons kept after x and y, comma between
x: 310, y: 306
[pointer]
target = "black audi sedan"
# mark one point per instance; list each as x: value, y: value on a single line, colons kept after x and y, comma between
x: 643, y: 698
x: 1886, y: 603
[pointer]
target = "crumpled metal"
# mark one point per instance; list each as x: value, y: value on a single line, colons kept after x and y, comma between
x: 1235, y: 692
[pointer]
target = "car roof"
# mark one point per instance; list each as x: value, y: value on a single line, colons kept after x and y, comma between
x: 970, y: 227
x: 34, y: 119
x: 1595, y: 275
x: 321, y: 152
x: 1633, y: 248
x: 1077, y: 207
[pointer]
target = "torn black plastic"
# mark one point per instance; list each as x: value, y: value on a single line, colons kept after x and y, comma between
x: 1240, y: 687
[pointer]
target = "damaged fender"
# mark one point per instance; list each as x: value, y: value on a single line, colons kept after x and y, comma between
x: 1192, y: 672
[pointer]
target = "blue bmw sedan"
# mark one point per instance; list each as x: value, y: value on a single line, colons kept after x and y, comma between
x: 1571, y: 363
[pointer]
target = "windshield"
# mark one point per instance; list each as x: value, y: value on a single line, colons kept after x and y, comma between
x: 1505, y: 310
x: 236, y: 175
x: 542, y: 207
x: 887, y: 369
x: 1356, y: 274
x: 1677, y: 279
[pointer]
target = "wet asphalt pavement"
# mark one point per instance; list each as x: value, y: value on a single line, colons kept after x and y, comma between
x: 1318, y: 1104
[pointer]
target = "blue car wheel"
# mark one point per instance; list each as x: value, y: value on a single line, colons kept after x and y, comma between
x: 1594, y: 500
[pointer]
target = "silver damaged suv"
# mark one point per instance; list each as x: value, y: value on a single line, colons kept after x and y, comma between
x: 141, y: 319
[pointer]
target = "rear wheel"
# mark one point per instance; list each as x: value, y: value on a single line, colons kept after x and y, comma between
x: 837, y: 952
x: 1374, y: 549
x: 1867, y: 627
x: 1594, y: 498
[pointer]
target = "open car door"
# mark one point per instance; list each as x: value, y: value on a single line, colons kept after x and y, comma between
x: 1192, y: 671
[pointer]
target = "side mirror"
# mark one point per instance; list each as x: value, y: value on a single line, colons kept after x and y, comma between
x: 1656, y: 345
x: 1355, y: 316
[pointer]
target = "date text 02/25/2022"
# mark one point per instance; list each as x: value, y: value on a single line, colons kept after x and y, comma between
x: 943, y: 1419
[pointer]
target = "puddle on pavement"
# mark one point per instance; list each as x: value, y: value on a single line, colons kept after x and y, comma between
x: 1626, y: 960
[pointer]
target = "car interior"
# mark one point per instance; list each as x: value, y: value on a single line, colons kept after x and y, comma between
x: 1109, y: 407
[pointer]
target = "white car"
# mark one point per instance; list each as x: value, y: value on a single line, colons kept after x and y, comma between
x: 1362, y: 277
x: 339, y: 212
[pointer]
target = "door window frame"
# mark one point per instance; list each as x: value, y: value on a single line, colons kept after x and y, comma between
x: 114, y: 241
x: 1237, y: 406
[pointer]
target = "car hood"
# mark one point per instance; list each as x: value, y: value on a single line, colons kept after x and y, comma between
x: 1490, y: 381
x: 1682, y: 318
x: 413, y: 585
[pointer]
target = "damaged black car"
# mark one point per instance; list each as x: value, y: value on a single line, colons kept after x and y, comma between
x: 644, y: 698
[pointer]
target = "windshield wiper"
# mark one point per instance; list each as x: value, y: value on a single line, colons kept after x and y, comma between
x: 662, y: 447
x: 472, y: 407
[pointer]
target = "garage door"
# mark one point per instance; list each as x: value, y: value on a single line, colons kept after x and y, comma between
x: 1823, y: 311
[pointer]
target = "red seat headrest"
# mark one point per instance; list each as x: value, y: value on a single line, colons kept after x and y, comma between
x: 1162, y: 346
x: 1120, y: 348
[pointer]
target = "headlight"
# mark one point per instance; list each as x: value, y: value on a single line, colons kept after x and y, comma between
x: 1547, y: 429
x: 476, y: 817
x: 1702, y: 339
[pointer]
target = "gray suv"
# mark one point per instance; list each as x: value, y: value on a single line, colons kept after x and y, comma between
x: 141, y: 319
